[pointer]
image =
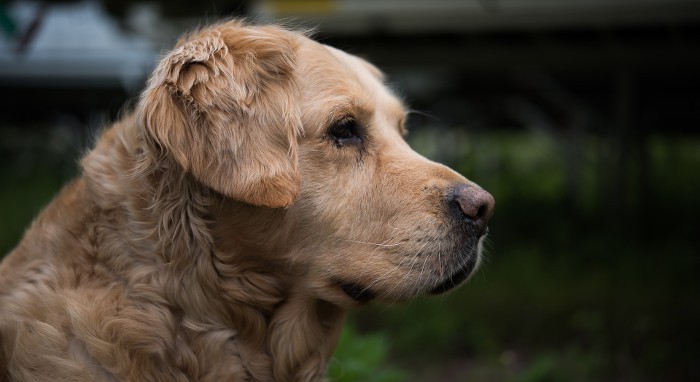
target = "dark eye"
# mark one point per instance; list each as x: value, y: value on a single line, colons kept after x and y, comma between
x: 345, y: 132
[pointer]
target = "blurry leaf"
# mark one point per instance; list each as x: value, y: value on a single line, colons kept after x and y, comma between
x: 362, y: 358
x: 545, y: 368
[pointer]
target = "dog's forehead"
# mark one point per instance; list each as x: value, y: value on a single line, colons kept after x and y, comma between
x: 337, y: 82
x: 356, y: 62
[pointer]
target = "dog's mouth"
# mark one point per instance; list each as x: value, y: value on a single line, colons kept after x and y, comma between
x: 465, y: 259
x: 456, y: 278
x: 471, y: 250
x: 363, y: 295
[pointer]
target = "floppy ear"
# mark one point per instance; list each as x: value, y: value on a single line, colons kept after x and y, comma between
x: 223, y: 105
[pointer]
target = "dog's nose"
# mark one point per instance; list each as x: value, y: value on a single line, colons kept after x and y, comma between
x: 475, y: 203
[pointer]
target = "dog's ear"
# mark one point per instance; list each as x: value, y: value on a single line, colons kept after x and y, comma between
x: 223, y: 104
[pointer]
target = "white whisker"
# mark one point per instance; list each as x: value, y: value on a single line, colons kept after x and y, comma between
x: 376, y: 244
x: 410, y: 270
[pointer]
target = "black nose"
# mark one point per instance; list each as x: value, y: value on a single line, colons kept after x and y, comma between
x: 475, y: 203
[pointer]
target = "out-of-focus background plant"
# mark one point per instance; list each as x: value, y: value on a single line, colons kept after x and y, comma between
x: 581, y: 117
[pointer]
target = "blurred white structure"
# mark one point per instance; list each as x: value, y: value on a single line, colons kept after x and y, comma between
x: 72, y: 45
x: 420, y: 16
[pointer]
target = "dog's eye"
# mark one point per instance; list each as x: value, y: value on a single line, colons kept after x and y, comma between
x: 345, y: 132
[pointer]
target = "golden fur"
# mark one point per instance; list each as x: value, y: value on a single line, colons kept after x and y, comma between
x: 219, y: 232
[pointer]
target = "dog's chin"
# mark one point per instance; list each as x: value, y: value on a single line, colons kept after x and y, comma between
x: 464, y: 259
x: 470, y: 255
x: 361, y: 294
x: 456, y: 278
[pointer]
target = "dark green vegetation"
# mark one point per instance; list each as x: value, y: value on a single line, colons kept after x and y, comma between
x: 596, y: 282
x: 35, y: 162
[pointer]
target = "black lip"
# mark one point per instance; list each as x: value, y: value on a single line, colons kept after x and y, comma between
x: 456, y: 277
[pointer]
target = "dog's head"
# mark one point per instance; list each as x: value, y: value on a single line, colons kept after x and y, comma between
x: 307, y: 147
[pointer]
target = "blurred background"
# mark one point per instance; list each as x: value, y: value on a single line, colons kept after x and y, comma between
x: 581, y: 117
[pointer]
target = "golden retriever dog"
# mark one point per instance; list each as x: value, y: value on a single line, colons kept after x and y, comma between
x: 221, y: 229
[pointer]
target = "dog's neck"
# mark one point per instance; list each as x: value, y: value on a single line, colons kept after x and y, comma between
x: 210, y: 271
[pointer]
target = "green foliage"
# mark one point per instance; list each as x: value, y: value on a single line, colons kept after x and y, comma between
x: 590, y: 284
x: 362, y: 358
x: 543, y: 369
x: 586, y: 279
x: 35, y: 163
x: 21, y: 202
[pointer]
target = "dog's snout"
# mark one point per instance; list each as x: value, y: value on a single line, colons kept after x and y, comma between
x: 475, y: 203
